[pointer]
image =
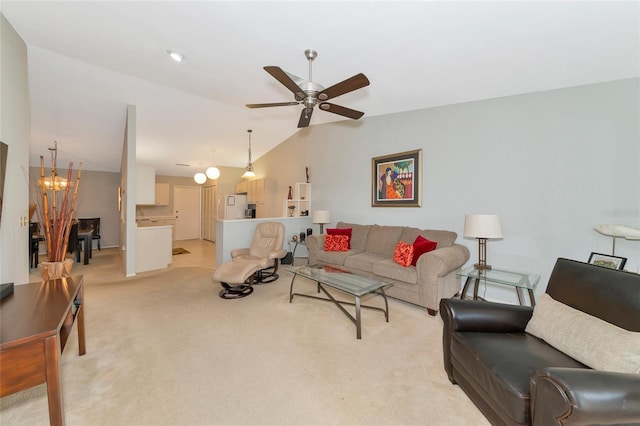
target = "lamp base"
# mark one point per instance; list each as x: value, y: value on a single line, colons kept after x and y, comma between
x: 482, y: 267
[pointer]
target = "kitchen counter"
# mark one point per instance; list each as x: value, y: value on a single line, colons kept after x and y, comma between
x: 156, y: 221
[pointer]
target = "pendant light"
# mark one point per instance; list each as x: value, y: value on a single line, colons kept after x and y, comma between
x: 200, y: 178
x: 249, y: 171
x: 213, y: 173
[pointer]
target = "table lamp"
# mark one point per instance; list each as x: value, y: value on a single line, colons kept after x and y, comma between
x: 321, y: 217
x: 482, y: 227
x: 618, y: 231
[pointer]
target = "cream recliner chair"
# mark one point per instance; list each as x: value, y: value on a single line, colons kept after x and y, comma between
x: 256, y: 264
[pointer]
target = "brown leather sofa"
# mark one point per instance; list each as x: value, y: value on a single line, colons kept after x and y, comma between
x: 515, y: 378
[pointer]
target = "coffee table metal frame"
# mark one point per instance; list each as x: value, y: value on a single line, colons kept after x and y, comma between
x: 345, y: 281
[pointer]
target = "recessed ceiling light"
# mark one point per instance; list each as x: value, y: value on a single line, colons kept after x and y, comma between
x: 176, y: 56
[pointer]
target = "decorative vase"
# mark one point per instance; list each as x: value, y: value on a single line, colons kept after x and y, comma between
x: 290, y: 196
x: 55, y: 270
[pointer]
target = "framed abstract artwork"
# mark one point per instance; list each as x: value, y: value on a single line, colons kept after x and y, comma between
x: 395, y: 180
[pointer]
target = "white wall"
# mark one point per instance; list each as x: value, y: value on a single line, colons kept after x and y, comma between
x: 552, y: 164
x: 14, y: 131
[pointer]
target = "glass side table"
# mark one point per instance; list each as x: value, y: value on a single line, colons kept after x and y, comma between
x: 519, y: 280
x: 295, y: 246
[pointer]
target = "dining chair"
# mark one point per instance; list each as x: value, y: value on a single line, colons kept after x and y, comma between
x: 93, y: 223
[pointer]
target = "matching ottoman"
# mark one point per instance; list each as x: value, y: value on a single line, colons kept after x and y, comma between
x: 239, y: 273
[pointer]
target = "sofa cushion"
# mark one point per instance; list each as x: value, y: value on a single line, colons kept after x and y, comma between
x: 383, y: 239
x: 341, y: 231
x: 359, y: 234
x: 421, y: 246
x: 334, y: 257
x: 443, y: 238
x: 387, y: 268
x: 336, y: 243
x: 364, y: 261
x: 590, y: 340
x: 403, y: 254
x: 499, y: 365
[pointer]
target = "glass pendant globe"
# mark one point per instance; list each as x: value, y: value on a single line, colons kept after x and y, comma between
x: 213, y: 173
x: 200, y: 178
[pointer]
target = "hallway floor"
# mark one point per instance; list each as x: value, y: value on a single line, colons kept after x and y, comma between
x: 106, y: 264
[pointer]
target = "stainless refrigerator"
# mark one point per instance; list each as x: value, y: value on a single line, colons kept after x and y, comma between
x: 232, y: 206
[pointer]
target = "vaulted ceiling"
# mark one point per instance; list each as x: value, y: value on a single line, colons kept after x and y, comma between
x: 88, y: 60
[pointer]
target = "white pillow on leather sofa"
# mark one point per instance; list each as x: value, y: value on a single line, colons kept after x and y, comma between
x: 585, y: 338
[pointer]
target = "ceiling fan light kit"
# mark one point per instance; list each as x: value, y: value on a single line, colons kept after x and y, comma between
x: 309, y: 93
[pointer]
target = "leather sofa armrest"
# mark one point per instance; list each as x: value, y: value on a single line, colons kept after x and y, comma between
x: 575, y: 396
x: 315, y: 243
x: 442, y: 261
x: 472, y: 315
x: 477, y: 316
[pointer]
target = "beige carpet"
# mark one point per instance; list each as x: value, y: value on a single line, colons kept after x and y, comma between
x: 164, y: 349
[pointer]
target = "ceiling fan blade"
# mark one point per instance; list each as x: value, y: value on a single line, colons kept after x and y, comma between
x: 286, y: 81
x: 271, y: 104
x: 340, y: 110
x: 305, y: 117
x: 356, y: 82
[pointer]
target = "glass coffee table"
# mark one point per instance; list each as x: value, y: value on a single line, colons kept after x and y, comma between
x: 345, y: 281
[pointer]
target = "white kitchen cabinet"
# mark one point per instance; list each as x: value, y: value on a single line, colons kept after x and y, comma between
x: 146, y: 181
x: 153, y: 248
x: 162, y: 194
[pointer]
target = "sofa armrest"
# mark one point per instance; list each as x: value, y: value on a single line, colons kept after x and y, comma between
x: 315, y: 244
x: 575, y: 396
x: 473, y: 315
x: 442, y: 261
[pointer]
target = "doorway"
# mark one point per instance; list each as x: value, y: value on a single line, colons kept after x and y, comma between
x: 186, y: 203
x: 209, y: 213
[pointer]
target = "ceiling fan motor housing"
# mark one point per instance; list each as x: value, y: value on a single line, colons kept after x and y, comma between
x: 309, y: 94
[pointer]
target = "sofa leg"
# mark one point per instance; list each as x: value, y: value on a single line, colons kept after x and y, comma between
x: 432, y: 312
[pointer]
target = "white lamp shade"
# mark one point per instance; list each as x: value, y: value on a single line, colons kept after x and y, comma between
x: 200, y: 178
x: 248, y: 174
x: 482, y: 226
x: 321, y: 216
x: 213, y: 173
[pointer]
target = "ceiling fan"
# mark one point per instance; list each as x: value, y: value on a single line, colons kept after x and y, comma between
x: 309, y: 93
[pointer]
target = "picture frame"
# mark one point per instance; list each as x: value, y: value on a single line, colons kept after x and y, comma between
x: 396, y: 180
x: 607, y: 261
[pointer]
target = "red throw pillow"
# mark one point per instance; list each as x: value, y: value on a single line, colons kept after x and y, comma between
x: 421, y: 246
x: 403, y: 254
x: 341, y: 231
x: 336, y: 243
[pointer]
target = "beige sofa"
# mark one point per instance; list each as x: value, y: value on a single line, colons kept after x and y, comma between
x: 372, y: 247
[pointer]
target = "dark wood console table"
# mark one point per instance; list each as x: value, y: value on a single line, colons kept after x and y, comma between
x: 36, y: 322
